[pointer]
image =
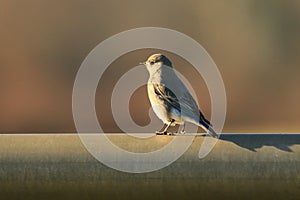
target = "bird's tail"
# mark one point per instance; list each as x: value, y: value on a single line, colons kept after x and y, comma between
x: 212, y: 132
x: 205, y: 124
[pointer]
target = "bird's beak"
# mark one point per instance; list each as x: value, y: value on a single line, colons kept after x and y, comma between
x: 142, y: 63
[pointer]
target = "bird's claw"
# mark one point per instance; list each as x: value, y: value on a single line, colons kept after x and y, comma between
x: 161, y: 133
x: 164, y: 133
x: 171, y: 134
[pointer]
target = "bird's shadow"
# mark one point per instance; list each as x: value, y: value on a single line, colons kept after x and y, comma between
x: 256, y: 141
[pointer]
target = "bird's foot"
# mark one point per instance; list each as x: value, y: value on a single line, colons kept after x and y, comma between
x: 161, y: 133
x: 171, y: 134
x: 165, y: 133
x: 180, y: 133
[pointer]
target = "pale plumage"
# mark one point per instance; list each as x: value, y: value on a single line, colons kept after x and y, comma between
x: 169, y: 98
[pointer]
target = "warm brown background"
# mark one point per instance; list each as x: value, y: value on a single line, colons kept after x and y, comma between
x: 254, y: 43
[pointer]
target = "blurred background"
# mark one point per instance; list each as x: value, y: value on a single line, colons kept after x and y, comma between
x: 254, y: 43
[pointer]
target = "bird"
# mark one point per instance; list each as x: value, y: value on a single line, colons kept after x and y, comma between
x: 170, y: 99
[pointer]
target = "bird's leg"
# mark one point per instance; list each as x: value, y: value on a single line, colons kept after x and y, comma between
x: 164, y: 132
x: 183, y: 129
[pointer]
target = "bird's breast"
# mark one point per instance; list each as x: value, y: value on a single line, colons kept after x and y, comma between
x: 158, y: 105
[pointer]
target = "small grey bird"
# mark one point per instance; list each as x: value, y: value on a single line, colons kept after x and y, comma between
x: 169, y: 97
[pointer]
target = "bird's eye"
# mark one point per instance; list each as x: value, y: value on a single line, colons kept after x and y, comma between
x: 152, y: 62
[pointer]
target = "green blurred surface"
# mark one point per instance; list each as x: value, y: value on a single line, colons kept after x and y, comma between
x: 239, y: 167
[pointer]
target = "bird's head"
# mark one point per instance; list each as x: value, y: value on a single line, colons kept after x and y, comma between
x: 156, y: 62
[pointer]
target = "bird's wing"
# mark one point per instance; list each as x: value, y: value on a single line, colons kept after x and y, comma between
x: 183, y: 102
x: 190, y: 104
x: 187, y: 99
x: 167, y: 96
